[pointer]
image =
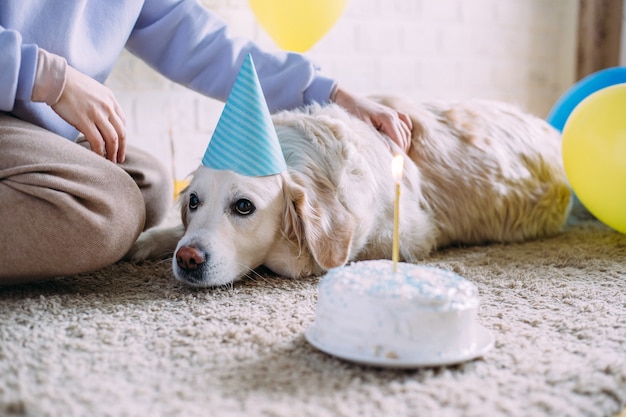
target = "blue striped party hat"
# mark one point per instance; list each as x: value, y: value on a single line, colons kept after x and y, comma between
x: 244, y: 139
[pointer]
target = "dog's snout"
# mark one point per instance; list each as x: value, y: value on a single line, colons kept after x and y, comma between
x: 190, y: 258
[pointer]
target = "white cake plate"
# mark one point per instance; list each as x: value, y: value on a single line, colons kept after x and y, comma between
x: 484, y: 342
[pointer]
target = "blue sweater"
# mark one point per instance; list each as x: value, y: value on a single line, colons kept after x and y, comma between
x: 179, y: 38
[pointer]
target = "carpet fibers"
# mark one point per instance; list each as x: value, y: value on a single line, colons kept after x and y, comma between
x: 130, y: 341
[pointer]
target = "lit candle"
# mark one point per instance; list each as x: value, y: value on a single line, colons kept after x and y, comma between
x: 396, y: 169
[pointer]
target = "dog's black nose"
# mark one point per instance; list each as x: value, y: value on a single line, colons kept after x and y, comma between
x: 189, y: 258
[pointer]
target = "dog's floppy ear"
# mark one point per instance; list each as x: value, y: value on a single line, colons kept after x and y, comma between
x: 184, y: 206
x: 317, y: 221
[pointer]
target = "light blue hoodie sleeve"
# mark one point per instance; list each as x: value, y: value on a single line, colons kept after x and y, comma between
x: 191, y: 45
x: 18, y: 65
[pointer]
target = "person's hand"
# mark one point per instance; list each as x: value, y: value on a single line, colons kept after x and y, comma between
x: 92, y: 109
x: 396, y: 125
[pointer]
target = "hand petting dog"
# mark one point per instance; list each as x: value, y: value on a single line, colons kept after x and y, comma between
x: 396, y: 125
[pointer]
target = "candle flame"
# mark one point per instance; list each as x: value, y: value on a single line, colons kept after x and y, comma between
x: 396, y: 167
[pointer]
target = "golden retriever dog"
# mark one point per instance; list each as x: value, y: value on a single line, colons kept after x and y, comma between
x: 476, y: 172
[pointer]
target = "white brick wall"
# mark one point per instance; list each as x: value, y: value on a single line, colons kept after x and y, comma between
x: 520, y: 51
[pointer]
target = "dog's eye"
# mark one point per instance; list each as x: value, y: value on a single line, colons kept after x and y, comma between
x: 194, y: 201
x: 243, y: 207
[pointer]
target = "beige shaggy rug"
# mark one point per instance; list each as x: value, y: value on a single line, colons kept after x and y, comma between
x: 130, y: 341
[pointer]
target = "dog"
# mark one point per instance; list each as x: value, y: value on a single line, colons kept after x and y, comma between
x: 477, y: 172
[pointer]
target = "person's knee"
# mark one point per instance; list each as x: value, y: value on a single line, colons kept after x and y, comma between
x: 154, y: 182
x: 78, y: 220
x: 158, y: 197
x: 115, y: 219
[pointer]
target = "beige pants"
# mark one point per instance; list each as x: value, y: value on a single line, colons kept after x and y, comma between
x: 65, y: 210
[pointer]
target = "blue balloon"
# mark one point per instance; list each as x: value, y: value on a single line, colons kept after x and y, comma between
x: 582, y: 89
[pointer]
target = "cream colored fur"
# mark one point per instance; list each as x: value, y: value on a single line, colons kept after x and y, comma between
x: 476, y: 172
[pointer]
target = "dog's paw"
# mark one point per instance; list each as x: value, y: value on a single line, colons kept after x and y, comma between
x: 156, y: 243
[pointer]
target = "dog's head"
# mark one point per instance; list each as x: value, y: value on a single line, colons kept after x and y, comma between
x: 234, y: 224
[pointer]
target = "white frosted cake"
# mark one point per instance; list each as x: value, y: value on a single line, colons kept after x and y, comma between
x: 418, y: 312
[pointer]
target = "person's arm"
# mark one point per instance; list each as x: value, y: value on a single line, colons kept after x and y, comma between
x: 18, y: 63
x: 29, y: 73
x: 191, y: 45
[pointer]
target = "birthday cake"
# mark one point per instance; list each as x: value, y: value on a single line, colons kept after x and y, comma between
x: 417, y: 312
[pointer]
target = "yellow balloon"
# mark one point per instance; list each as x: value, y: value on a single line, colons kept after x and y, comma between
x: 179, y: 186
x: 296, y: 25
x: 594, y: 154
